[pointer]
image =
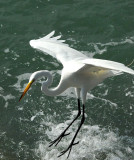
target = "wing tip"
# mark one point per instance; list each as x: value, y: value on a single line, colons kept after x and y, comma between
x: 48, y: 38
x: 52, y: 33
x: 32, y: 43
x: 49, y: 35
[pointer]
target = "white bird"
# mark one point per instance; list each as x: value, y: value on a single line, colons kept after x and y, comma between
x: 79, y: 71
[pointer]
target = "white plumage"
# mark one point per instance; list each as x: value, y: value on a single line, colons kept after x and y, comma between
x: 79, y: 71
x: 65, y: 54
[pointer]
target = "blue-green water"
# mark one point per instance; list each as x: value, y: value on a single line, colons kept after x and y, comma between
x: 103, y: 29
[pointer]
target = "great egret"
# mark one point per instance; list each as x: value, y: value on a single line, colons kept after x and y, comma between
x: 79, y: 71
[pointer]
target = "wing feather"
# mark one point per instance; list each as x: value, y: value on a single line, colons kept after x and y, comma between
x: 106, y: 64
x: 69, y: 56
x: 57, y: 49
x: 49, y: 35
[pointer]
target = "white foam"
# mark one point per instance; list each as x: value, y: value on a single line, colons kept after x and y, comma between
x: 6, y: 50
x: 21, y: 78
x: 130, y: 94
x: 37, y: 114
x: 101, y: 48
x: 112, y: 43
x: 99, y: 51
x: 6, y: 98
x: 95, y: 143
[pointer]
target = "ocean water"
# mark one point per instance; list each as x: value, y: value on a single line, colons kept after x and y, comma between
x: 101, y: 29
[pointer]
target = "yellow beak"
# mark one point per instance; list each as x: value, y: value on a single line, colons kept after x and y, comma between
x: 26, y: 89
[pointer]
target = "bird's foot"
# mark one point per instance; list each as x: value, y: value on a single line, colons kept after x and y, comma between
x: 68, y: 149
x: 58, y: 139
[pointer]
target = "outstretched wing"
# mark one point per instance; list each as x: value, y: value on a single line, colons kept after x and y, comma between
x: 72, y: 58
x: 56, y: 48
x: 97, y: 64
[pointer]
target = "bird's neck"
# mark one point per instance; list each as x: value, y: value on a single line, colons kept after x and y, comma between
x: 62, y: 86
x: 53, y: 91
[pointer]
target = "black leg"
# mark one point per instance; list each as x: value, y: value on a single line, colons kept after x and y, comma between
x: 57, y: 140
x: 72, y: 142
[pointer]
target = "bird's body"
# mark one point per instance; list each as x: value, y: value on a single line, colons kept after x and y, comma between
x: 79, y: 71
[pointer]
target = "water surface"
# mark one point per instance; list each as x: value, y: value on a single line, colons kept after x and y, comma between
x: 103, y: 29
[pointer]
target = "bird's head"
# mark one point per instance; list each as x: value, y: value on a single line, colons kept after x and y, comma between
x: 33, y: 78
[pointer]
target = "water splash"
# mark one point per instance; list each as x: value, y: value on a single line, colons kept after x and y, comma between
x: 96, y: 143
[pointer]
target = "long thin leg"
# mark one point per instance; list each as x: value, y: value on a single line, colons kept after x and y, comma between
x: 72, y: 142
x: 57, y: 140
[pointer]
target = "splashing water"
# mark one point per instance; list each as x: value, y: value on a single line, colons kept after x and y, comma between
x: 95, y: 143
